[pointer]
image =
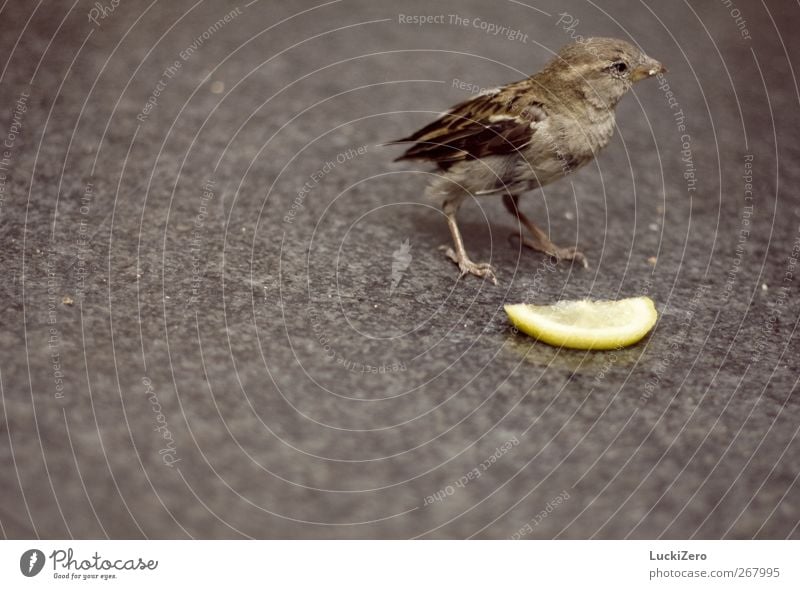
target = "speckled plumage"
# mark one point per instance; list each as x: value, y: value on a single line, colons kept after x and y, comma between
x: 529, y: 133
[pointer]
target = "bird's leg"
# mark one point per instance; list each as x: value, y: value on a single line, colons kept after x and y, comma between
x: 459, y: 255
x: 539, y: 240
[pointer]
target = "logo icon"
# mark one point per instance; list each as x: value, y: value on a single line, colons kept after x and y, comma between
x: 31, y: 562
x: 401, y: 259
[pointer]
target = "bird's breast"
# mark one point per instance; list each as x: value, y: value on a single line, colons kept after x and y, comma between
x: 586, y: 135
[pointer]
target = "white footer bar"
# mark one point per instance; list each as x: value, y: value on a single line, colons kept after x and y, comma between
x: 400, y: 564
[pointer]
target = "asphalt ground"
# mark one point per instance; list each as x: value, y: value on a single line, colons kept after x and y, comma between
x: 224, y: 313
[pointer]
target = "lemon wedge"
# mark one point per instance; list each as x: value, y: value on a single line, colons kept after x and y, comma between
x: 586, y: 325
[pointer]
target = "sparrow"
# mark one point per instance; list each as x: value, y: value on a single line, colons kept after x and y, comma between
x: 527, y: 134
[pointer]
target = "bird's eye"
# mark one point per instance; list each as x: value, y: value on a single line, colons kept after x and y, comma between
x: 620, y: 67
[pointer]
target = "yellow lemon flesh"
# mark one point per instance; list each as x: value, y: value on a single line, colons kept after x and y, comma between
x: 586, y: 325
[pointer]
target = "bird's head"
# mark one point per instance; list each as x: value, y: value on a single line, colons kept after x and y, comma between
x: 602, y: 69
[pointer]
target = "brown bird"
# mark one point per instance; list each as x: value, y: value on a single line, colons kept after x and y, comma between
x: 527, y: 134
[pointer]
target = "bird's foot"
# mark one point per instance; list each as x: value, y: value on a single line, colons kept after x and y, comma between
x: 569, y: 253
x: 552, y: 250
x: 467, y: 266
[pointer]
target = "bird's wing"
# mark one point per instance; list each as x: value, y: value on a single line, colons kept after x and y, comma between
x: 492, y: 124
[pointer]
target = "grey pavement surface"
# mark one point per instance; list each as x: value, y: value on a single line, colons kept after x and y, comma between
x: 195, y: 345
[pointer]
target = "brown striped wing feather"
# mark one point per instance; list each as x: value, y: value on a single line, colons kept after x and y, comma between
x: 497, y: 124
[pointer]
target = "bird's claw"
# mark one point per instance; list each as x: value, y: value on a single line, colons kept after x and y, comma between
x: 569, y: 253
x: 557, y: 253
x: 467, y: 266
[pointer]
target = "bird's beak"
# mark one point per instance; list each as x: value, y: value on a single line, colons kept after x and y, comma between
x: 647, y: 69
